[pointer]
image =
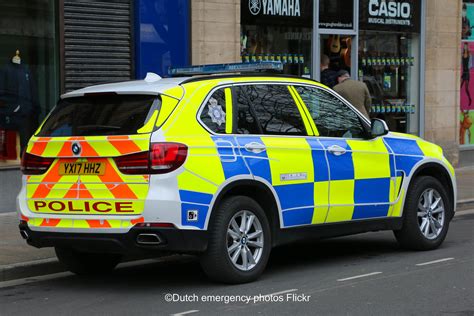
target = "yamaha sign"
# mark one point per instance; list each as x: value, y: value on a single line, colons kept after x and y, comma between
x: 275, y: 7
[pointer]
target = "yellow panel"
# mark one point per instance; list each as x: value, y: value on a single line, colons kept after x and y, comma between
x: 168, y: 104
x: 191, y: 182
x: 340, y: 214
x: 53, y: 148
x: 80, y: 223
x: 429, y: 149
x: 342, y: 192
x: 203, y: 158
x: 450, y: 167
x: 321, y: 193
x: 176, y: 92
x: 397, y: 208
x: 148, y: 127
x: 66, y: 223
x: 319, y: 214
x: 104, y: 148
x: 371, y: 159
x: 229, y: 111
x: 100, y: 190
x: 289, y: 156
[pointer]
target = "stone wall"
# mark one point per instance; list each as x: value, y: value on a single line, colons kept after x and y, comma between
x: 442, y: 76
x: 215, y: 36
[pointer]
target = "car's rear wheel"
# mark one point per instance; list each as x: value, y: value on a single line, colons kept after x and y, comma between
x: 239, y: 241
x: 425, y: 216
x: 84, y: 263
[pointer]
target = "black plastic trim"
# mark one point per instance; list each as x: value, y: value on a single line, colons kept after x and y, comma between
x: 175, y: 240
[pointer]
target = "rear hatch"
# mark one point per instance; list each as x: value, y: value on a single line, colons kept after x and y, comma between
x: 82, y: 159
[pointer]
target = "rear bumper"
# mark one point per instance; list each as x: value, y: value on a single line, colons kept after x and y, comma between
x: 173, y: 240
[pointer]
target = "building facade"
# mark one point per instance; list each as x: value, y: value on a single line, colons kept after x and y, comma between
x: 406, y: 51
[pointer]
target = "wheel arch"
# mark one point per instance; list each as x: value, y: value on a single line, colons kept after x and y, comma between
x: 441, y: 173
x: 258, y: 191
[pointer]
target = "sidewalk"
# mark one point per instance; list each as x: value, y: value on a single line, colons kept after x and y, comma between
x: 18, y: 260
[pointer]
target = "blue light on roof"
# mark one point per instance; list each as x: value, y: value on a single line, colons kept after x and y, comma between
x: 226, y: 68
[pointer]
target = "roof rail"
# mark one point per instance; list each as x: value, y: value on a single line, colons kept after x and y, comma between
x: 263, y: 66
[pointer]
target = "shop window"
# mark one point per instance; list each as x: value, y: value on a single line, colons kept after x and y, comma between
x: 28, y: 72
x: 278, y: 31
x: 389, y: 65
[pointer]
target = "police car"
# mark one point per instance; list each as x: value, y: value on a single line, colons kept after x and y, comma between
x: 224, y: 166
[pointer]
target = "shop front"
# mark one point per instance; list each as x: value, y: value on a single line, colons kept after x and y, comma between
x: 29, y: 75
x: 377, y: 42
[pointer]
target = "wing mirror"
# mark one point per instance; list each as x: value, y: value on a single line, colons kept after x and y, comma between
x: 378, y: 128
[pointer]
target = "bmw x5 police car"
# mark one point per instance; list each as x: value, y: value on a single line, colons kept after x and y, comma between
x: 225, y: 167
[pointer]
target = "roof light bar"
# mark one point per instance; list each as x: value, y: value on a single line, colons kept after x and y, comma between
x: 270, y: 66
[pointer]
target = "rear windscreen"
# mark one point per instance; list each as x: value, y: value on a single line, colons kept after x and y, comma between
x: 108, y: 114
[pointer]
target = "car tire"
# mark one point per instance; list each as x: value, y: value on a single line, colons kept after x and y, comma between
x: 224, y: 258
x: 83, y: 263
x: 419, y: 212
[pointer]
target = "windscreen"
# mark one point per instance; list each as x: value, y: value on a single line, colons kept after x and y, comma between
x: 108, y: 114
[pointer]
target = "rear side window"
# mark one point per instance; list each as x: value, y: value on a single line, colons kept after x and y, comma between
x: 267, y: 109
x: 99, y: 115
x: 213, y: 114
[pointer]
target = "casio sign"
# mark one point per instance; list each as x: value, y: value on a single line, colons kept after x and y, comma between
x: 393, y: 9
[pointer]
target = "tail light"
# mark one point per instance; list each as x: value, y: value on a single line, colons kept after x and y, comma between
x: 33, y: 165
x: 161, y: 158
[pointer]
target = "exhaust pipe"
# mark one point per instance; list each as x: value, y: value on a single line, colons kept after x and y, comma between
x: 24, y: 234
x: 149, y: 239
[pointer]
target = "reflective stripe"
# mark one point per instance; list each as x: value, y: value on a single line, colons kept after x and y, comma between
x: 301, y: 110
x: 229, y: 111
x: 306, y: 111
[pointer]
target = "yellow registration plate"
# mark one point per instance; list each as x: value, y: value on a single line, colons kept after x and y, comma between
x: 82, y: 168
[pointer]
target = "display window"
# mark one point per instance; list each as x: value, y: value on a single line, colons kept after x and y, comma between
x: 28, y: 72
x: 466, y: 126
x: 278, y: 31
x: 388, y: 65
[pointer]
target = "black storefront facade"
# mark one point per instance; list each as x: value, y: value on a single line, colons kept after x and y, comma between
x: 379, y: 42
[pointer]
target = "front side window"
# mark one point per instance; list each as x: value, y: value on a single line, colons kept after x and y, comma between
x: 333, y: 118
x: 267, y: 109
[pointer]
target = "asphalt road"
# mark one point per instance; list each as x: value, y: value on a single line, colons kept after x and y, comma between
x: 366, y: 274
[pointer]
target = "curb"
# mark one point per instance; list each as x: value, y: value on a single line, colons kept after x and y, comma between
x: 465, y: 204
x: 49, y: 266
x: 30, y: 269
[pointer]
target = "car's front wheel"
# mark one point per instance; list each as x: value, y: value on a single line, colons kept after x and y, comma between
x: 426, y: 215
x: 84, y: 263
x: 239, y: 241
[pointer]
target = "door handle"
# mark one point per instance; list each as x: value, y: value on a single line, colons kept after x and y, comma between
x: 337, y: 150
x: 255, y: 147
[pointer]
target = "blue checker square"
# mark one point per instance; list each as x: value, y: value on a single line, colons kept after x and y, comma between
x: 320, y: 166
x: 199, y: 212
x: 295, y: 195
x: 406, y: 163
x: 195, y: 197
x: 370, y: 211
x: 372, y: 191
x: 301, y: 216
x: 340, y: 167
x: 403, y: 146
